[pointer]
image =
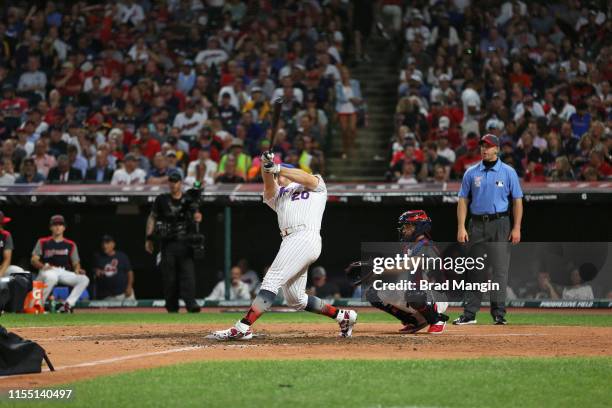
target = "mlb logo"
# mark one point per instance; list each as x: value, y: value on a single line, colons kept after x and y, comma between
x: 477, y: 181
x: 499, y: 183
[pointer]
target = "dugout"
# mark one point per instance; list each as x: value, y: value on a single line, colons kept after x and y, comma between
x: 238, y: 225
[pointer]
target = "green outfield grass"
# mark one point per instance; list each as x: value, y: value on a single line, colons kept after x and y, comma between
x: 509, y: 382
x: 13, y: 320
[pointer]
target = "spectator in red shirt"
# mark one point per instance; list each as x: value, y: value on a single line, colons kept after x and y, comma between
x: 535, y: 173
x: 206, y: 140
x: 12, y: 106
x: 69, y: 81
x: 598, y: 162
x: 471, y: 157
x: 410, y: 152
x: 519, y: 76
x: 149, y: 146
x: 446, y: 130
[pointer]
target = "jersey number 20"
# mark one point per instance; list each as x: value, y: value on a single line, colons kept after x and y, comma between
x: 300, y: 195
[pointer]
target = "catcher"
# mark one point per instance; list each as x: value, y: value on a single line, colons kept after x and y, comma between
x: 415, y: 309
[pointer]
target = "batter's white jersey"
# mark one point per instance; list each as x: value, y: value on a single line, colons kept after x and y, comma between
x: 295, y: 205
x: 300, y: 209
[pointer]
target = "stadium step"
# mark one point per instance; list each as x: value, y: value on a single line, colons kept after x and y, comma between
x: 379, y: 80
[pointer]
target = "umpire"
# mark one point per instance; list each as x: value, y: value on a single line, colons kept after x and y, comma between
x: 168, y: 223
x: 487, y: 186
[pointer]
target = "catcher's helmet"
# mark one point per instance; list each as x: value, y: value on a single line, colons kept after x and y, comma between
x: 420, y: 220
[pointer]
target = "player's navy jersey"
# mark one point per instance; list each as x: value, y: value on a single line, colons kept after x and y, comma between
x: 62, y: 254
x: 6, y: 243
x: 114, y: 277
x: 422, y: 248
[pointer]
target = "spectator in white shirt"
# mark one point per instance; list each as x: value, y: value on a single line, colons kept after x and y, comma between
x: 33, y: 80
x: 444, y: 150
x: 444, y: 30
x: 204, y: 169
x: 190, y: 122
x: 105, y: 82
x: 237, y: 291
x: 212, y: 55
x: 237, y: 93
x: 574, y: 67
x: 330, y: 69
x: 469, y: 97
x: 418, y: 29
x: 336, y: 47
x: 508, y: 9
x: 263, y: 82
x: 566, y: 109
x: 131, y: 12
x: 580, y: 290
x: 6, y: 179
x: 441, y: 92
x: 528, y: 105
x: 130, y: 173
x: 408, y: 173
x: 139, y: 51
x: 288, y: 83
x: 291, y: 66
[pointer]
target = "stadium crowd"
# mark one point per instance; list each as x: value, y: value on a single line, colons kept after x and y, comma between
x: 126, y: 92
x: 535, y: 74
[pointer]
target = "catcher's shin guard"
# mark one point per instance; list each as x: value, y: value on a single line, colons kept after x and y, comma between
x: 403, y: 316
x: 429, y: 311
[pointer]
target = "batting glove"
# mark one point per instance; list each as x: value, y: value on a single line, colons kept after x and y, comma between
x: 267, y: 157
x: 271, y: 167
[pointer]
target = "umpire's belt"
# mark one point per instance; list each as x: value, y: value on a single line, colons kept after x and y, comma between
x: 291, y: 230
x: 489, y: 217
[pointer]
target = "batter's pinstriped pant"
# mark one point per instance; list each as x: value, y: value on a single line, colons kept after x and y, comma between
x: 290, y: 267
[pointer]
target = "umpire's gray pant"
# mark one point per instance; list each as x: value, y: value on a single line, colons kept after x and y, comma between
x: 490, y: 237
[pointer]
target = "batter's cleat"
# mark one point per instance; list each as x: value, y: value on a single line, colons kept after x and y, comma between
x: 240, y: 331
x: 436, y: 328
x: 346, y: 319
x: 411, y: 328
x: 499, y: 320
x: 463, y: 320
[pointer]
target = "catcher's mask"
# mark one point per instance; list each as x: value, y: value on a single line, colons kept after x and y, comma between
x: 418, y: 218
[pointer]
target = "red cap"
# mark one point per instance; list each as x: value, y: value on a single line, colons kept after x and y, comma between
x: 3, y: 219
x: 490, y: 140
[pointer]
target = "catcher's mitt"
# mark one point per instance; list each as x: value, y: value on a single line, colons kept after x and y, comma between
x: 355, y: 270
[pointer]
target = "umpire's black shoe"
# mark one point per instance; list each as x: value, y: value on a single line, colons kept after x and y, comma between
x: 499, y: 320
x: 463, y: 320
x: 193, y: 309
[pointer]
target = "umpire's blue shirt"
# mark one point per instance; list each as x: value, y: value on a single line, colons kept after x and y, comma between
x: 489, y: 189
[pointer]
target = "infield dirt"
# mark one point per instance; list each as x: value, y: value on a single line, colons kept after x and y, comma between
x: 81, y: 352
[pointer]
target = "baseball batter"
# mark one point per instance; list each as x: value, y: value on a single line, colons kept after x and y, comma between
x: 299, y: 200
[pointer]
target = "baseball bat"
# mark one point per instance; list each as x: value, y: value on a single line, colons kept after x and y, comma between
x: 276, y: 111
